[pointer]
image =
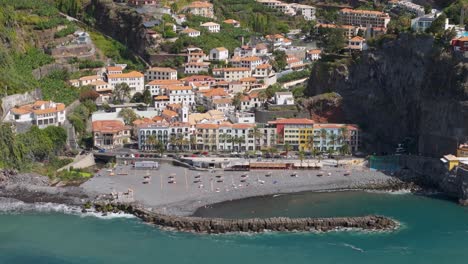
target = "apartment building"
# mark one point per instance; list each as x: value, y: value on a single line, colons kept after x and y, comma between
x: 158, y: 87
x: 160, y: 73
x: 231, y: 74
x: 135, y: 80
x: 332, y: 137
x: 364, y: 18
x: 193, y: 33
x: 201, y: 8
x: 108, y: 134
x: 296, y: 132
x: 196, y: 67
x: 219, y: 54
x: 180, y: 95
x: 39, y: 113
x: 250, y: 62
x: 265, y: 73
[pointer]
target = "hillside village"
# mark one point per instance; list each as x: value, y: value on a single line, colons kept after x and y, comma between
x: 233, y: 99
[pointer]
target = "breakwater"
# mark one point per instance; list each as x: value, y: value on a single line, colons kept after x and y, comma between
x: 254, y: 225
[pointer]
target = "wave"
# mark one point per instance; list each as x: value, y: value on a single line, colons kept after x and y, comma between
x: 353, y: 247
x: 398, y: 192
x: 12, y: 206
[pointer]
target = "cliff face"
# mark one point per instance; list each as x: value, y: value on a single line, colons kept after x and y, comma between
x: 119, y: 22
x: 404, y: 90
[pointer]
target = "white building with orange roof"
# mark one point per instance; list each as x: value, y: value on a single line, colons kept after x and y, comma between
x: 160, y: 102
x: 222, y: 104
x: 86, y: 80
x: 135, y: 80
x: 232, y: 22
x: 250, y: 101
x: 205, y: 80
x: 201, y: 8
x: 195, y: 54
x: 114, y: 69
x: 212, y: 27
x: 219, y: 54
x: 40, y: 113
x: 181, y: 95
x: 265, y: 74
x: 250, y: 62
x: 160, y: 73
x: 109, y: 134
x: 347, y: 16
x: 313, y: 54
x: 157, y: 87
x: 193, y: 33
x: 357, y: 43
x: 294, y: 63
x: 232, y: 73
x: 196, y: 67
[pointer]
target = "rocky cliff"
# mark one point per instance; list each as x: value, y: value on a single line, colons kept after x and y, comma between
x: 406, y: 89
x: 119, y: 22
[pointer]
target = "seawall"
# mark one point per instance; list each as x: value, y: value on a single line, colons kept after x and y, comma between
x: 254, y: 225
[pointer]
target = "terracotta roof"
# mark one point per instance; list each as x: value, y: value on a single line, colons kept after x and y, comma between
x: 132, y: 74
x: 248, y: 79
x: 178, y: 88
x: 200, y: 4
x: 98, y: 82
x: 242, y: 126
x: 162, y: 69
x: 143, y: 121
x: 222, y: 101
x: 314, y: 51
x: 221, y: 49
x: 199, y: 78
x: 208, y: 24
x: 357, y: 38
x: 207, y: 126
x: 231, y: 21
x: 292, y: 121
x: 158, y: 118
x: 109, y: 126
x: 161, y: 97
x: 91, y: 77
x: 34, y: 108
x: 264, y: 66
x: 231, y: 69
x: 190, y: 30
x: 261, y: 46
x: 356, y: 11
x: 174, y: 106
x: 169, y: 113
x: 463, y: 38
x: 165, y: 82
x: 114, y: 68
x: 214, y: 92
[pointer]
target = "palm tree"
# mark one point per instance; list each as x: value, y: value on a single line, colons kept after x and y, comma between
x: 323, y: 136
x: 301, y: 156
x: 344, y: 134
x: 287, y: 148
x: 262, y: 96
x: 173, y: 141
x: 151, y: 141
x: 241, y: 140
x: 332, y: 137
x: 222, y: 139
x: 310, y: 143
x: 256, y: 134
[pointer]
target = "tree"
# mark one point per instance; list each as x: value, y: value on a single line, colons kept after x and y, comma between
x: 88, y: 94
x: 57, y: 135
x: 438, y: 25
x: 128, y: 115
x: 279, y: 60
x: 332, y: 39
x: 301, y: 156
x: 256, y: 134
x: 332, y: 137
x: 12, y: 152
x: 200, y: 109
x: 237, y: 100
x: 147, y: 97
x: 323, y: 136
x: 262, y: 96
x: 121, y: 93
x: 287, y: 148
x: 38, y: 145
x: 137, y: 98
x: 272, y: 89
x: 400, y: 24
x: 151, y: 141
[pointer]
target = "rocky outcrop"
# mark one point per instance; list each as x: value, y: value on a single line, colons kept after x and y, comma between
x: 255, y: 225
x: 404, y: 90
x: 119, y: 22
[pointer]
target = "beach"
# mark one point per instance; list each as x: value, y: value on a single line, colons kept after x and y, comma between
x: 180, y: 191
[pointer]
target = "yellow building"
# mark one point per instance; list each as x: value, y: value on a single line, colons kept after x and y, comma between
x: 306, y: 138
x: 450, y: 161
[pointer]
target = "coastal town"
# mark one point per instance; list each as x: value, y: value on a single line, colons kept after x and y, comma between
x: 190, y: 103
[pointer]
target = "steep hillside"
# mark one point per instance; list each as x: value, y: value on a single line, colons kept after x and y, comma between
x: 405, y: 91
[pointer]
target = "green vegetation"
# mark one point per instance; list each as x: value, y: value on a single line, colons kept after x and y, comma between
x: 453, y: 11
x: 54, y: 87
x: 70, y: 29
x: 21, y: 151
x: 116, y: 51
x: 70, y: 7
x: 294, y: 76
x: 332, y: 39
x: 90, y: 64
x: 279, y: 62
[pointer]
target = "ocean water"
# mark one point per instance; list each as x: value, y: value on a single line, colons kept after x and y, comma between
x: 434, y: 230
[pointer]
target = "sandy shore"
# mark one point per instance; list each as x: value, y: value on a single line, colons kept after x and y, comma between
x: 185, y: 195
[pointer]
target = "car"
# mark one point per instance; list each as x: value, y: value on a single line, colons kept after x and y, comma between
x: 102, y: 151
x: 194, y: 155
x: 205, y: 153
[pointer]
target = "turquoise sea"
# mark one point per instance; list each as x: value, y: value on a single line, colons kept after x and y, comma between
x: 434, y: 230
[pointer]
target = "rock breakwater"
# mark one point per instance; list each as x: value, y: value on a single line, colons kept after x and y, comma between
x: 254, y: 225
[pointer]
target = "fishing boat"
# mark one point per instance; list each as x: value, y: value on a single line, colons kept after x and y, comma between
x: 268, y: 174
